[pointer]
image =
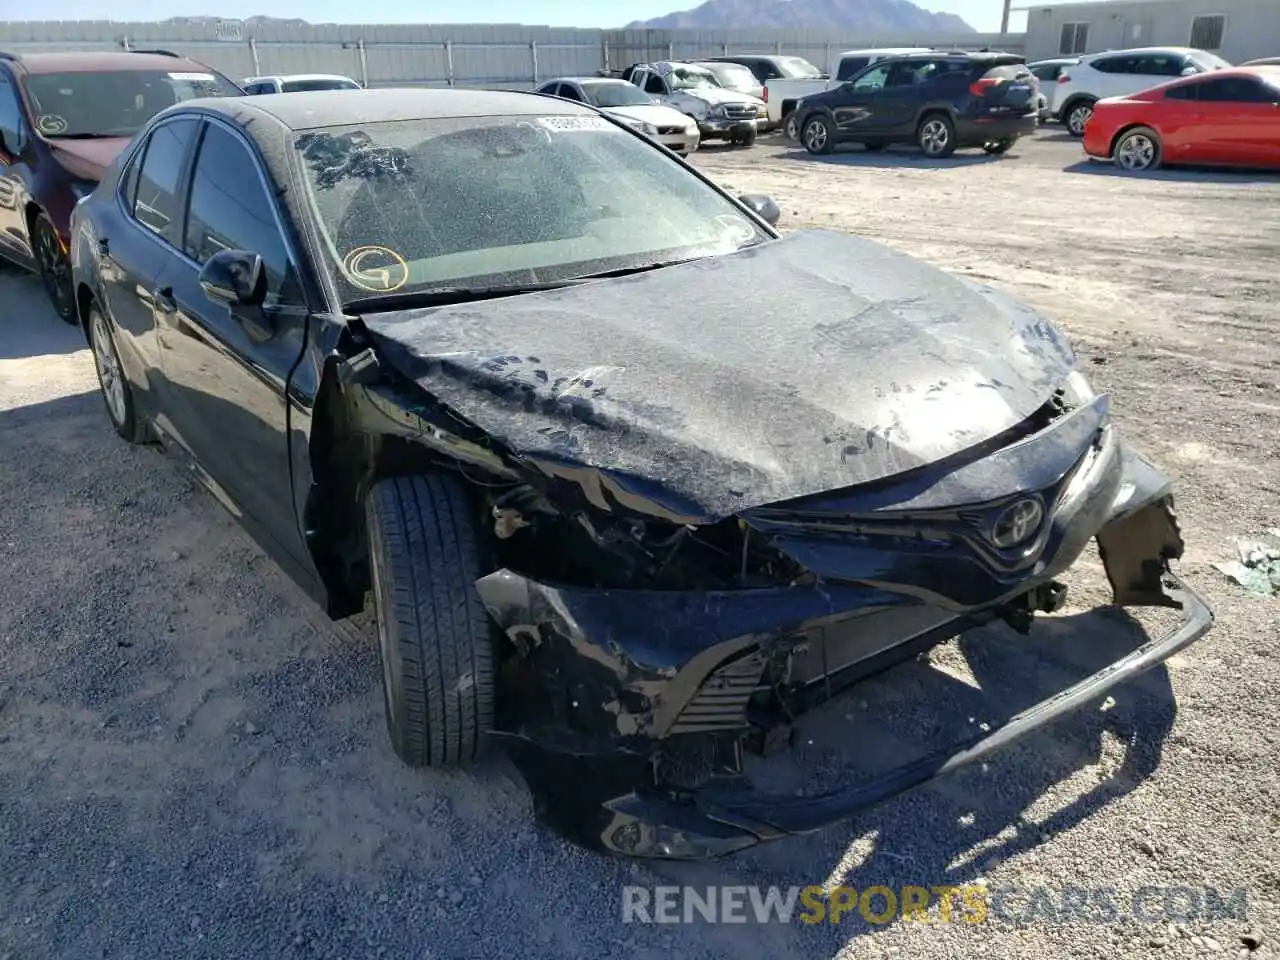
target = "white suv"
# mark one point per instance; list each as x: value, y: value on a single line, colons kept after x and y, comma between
x: 1117, y: 73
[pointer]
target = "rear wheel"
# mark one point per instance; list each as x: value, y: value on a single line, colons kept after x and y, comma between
x: 1077, y: 115
x: 817, y: 135
x: 1137, y: 150
x: 996, y: 147
x: 111, y: 379
x: 434, y: 634
x: 55, y: 268
x: 789, y: 129
x: 936, y: 136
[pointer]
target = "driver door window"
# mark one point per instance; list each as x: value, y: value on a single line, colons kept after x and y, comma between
x: 569, y: 92
x: 230, y: 209
x: 655, y: 84
x: 872, y: 80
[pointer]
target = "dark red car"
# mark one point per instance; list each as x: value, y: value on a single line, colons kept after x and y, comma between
x: 63, y: 118
x: 1229, y: 117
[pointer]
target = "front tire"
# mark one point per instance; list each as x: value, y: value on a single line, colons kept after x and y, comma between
x: 745, y: 139
x: 817, y: 136
x: 936, y: 136
x: 1138, y: 150
x: 435, y: 637
x: 55, y: 268
x: 112, y: 382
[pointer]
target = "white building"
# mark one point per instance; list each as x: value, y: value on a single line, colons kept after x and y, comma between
x: 1238, y: 30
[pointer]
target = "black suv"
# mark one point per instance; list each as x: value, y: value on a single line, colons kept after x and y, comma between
x: 63, y: 118
x: 939, y: 100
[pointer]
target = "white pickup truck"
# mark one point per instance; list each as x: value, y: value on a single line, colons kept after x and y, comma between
x: 782, y: 95
x: 720, y: 114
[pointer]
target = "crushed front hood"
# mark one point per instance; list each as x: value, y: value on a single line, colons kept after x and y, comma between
x: 804, y: 364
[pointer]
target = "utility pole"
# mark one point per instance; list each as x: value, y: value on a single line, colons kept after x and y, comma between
x: 1004, y: 18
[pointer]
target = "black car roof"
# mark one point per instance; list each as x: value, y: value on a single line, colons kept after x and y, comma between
x: 313, y: 109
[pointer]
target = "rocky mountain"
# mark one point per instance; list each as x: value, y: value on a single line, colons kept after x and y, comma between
x: 883, y: 17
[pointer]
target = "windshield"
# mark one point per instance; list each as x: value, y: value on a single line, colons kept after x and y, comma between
x: 735, y: 77
x: 690, y: 78
x: 115, y: 103
x: 616, y: 95
x: 1208, y: 61
x: 419, y: 205
x: 797, y: 68
x: 323, y: 83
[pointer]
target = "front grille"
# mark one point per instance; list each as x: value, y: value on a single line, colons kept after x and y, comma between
x: 721, y: 702
x: 739, y: 112
x: 670, y: 131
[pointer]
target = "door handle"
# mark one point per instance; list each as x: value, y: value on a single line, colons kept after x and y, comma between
x: 163, y: 300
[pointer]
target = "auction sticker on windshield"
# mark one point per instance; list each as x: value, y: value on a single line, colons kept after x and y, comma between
x: 573, y: 124
x: 194, y: 77
x: 376, y: 269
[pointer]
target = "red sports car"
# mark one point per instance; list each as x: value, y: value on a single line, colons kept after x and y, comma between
x: 1228, y: 117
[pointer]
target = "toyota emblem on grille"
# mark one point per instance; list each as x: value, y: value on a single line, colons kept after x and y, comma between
x: 1016, y: 523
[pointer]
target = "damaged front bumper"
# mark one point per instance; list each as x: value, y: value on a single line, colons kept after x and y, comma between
x: 635, y: 706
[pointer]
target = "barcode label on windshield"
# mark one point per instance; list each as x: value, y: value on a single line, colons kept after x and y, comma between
x: 573, y: 124
x: 208, y: 77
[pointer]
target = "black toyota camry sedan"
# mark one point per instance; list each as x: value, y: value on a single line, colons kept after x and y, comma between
x: 631, y: 479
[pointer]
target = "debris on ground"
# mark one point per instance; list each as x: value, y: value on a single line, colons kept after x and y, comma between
x: 1258, y: 566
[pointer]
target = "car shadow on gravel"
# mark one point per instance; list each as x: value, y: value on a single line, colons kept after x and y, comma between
x: 951, y: 832
x: 1177, y: 174
x: 40, y: 336
x: 892, y: 159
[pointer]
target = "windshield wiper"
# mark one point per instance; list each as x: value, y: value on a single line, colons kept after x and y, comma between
x: 82, y: 136
x: 447, y: 296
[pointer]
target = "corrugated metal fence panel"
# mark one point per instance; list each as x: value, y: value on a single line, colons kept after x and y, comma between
x: 501, y: 55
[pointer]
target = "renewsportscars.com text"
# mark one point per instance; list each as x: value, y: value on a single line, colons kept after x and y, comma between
x: 966, y: 904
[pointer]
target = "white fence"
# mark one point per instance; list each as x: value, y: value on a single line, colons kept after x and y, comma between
x: 500, y: 55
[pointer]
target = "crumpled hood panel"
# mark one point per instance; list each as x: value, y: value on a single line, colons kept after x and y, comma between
x: 804, y: 364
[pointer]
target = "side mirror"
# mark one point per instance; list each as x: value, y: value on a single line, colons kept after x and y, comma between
x: 235, y: 278
x: 1189, y: 71
x: 763, y: 207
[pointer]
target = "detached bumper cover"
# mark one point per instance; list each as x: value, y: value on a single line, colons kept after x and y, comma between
x: 767, y: 817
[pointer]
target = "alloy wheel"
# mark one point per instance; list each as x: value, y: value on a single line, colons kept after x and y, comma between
x: 55, y: 269
x: 815, y: 135
x: 1078, y: 117
x: 110, y: 376
x: 1135, y: 152
x: 934, y: 137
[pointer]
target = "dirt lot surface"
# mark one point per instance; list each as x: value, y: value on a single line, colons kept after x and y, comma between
x: 193, y: 763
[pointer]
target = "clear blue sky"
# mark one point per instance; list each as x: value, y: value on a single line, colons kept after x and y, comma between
x: 982, y: 14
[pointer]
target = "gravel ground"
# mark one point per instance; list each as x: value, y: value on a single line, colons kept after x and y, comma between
x: 193, y: 763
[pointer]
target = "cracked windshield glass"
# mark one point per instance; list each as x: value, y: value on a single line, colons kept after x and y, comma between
x: 482, y: 202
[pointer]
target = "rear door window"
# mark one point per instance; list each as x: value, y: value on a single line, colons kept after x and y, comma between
x: 654, y: 83
x: 157, y: 196
x: 1116, y: 64
x: 1159, y: 65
